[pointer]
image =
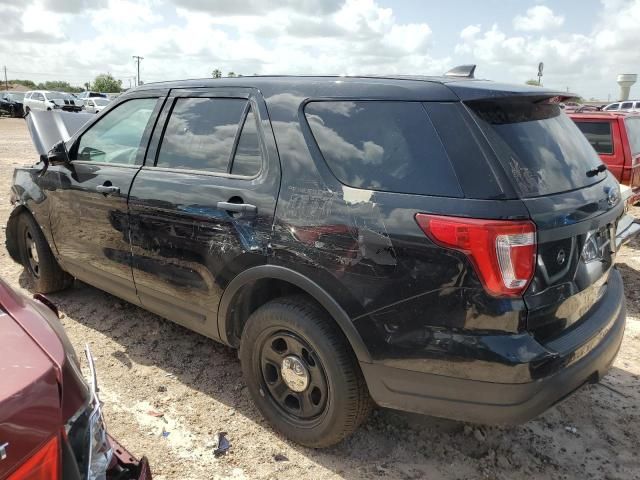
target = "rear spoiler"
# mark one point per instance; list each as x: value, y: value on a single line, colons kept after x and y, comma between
x: 50, y: 127
x: 487, y: 90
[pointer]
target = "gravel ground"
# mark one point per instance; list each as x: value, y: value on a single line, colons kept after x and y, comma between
x: 148, y: 366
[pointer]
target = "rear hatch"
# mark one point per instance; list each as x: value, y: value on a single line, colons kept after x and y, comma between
x: 574, y: 202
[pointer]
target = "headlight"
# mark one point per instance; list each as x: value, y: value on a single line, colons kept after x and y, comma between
x: 87, y: 434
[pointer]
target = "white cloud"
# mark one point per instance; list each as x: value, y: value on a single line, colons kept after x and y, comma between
x: 537, y: 18
x: 586, y: 63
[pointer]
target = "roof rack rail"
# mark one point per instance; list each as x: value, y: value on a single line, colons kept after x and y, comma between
x: 464, y: 71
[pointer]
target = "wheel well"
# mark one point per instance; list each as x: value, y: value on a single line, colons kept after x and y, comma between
x: 251, y: 297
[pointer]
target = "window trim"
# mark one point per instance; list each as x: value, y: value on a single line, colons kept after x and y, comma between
x: 75, y: 140
x: 165, y: 115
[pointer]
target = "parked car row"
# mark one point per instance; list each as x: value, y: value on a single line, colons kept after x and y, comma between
x: 45, y: 100
x: 441, y: 245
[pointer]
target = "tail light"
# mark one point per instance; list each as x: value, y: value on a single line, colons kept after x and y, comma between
x: 43, y: 465
x: 503, y: 252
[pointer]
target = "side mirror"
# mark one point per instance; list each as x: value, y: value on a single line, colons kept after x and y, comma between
x: 58, y: 154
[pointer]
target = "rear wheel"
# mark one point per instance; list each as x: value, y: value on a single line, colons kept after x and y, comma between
x: 37, y: 258
x: 301, y: 372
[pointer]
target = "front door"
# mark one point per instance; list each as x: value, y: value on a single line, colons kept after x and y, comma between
x: 89, y: 203
x: 201, y: 209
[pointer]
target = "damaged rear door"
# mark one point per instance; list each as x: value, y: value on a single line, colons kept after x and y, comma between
x: 201, y: 209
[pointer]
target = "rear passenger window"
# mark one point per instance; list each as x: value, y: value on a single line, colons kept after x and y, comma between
x: 200, y: 134
x: 248, y: 160
x: 598, y: 134
x: 380, y: 145
x: 626, y: 105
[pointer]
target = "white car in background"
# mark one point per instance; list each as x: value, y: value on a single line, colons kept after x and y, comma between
x: 49, y: 100
x: 95, y: 104
x: 626, y: 106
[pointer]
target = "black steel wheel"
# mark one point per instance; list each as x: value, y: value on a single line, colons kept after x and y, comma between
x: 37, y: 258
x: 293, y: 375
x: 31, y: 251
x: 302, y: 373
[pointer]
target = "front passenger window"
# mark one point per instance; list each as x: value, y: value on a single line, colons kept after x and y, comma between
x: 117, y: 136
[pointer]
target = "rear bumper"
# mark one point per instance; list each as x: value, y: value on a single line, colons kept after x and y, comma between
x: 492, y: 402
x: 626, y: 230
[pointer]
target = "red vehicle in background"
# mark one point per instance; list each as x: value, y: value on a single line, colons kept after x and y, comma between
x: 51, y: 425
x: 616, y: 138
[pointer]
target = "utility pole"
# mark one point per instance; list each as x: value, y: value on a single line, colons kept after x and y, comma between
x: 138, y: 58
x: 6, y: 83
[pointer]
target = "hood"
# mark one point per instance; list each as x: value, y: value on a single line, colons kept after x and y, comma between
x: 66, y: 101
x: 48, y: 128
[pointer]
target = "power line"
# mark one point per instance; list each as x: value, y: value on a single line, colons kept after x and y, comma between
x: 138, y: 58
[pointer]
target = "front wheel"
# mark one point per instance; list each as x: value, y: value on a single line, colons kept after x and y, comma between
x: 301, y: 372
x: 37, y: 258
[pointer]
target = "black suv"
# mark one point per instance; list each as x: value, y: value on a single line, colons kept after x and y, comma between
x: 439, y: 245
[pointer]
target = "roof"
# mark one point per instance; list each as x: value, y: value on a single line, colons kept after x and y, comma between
x: 418, y: 86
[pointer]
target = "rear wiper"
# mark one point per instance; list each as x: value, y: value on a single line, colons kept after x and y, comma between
x: 595, y: 171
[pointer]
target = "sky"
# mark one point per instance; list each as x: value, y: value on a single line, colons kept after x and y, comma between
x: 584, y: 44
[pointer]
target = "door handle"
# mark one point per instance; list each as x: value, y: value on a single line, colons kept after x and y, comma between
x: 237, y: 207
x: 107, y: 189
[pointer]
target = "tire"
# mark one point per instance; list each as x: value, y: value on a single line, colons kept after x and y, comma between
x: 40, y: 265
x: 336, y: 399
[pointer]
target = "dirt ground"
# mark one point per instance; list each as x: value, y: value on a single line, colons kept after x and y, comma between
x: 147, y: 364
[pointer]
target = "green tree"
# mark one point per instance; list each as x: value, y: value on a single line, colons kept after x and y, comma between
x: 24, y: 83
x: 87, y: 85
x: 231, y: 75
x: 216, y: 73
x: 60, y: 86
x: 532, y: 82
x: 106, y: 83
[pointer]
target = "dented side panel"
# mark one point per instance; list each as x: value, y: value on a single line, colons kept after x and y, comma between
x: 404, y: 294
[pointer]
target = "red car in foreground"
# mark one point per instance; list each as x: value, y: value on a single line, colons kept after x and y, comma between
x: 51, y: 425
x: 616, y: 138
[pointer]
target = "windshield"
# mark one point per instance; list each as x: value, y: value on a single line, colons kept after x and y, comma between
x: 101, y: 102
x: 539, y: 146
x: 59, y: 96
x: 16, y: 97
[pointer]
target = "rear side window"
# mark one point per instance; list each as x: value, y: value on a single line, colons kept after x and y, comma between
x: 541, y: 148
x: 626, y: 105
x: 247, y: 159
x: 200, y: 134
x: 633, y: 132
x: 598, y: 134
x: 379, y: 145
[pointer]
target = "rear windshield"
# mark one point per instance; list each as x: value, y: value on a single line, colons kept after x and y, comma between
x: 633, y: 132
x: 382, y: 145
x: 598, y: 134
x: 538, y: 145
